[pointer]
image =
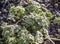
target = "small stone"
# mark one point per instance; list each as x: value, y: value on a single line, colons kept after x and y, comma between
x: 0, y: 12
x: 59, y: 31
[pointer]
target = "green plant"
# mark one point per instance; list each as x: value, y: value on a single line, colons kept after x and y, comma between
x: 18, y: 11
x: 33, y: 21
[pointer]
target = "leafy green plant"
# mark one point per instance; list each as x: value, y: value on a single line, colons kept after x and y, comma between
x: 18, y: 11
x: 31, y: 27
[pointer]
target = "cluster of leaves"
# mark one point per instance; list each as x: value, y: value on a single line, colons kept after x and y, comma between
x: 57, y: 20
x: 31, y: 27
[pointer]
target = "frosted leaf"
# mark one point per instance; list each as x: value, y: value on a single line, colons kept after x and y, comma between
x: 30, y: 37
x: 39, y: 37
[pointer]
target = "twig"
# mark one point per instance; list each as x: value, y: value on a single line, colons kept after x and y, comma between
x: 55, y: 39
x: 48, y: 38
x: 18, y: 21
